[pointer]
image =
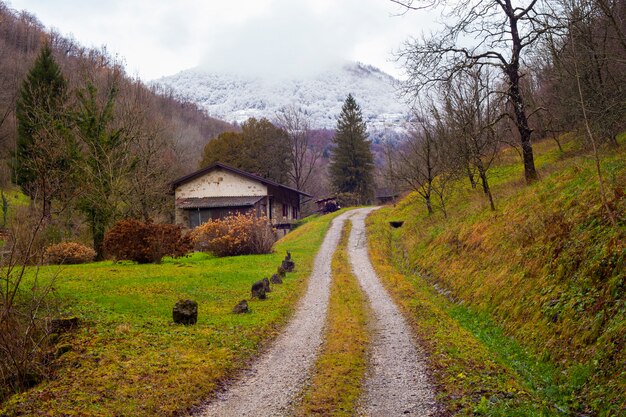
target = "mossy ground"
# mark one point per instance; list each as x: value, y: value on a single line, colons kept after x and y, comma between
x: 538, y: 285
x: 128, y: 358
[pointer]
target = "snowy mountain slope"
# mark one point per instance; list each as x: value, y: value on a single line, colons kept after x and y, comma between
x: 235, y: 98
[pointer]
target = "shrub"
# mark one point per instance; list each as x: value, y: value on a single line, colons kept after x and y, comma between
x: 69, y: 253
x: 238, y: 234
x: 26, y: 307
x: 133, y: 240
x: 348, y: 200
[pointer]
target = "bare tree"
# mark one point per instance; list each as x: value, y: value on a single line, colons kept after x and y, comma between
x: 26, y: 307
x: 590, y: 134
x: 387, y: 172
x: 154, y: 159
x: 419, y: 159
x: 302, y: 157
x: 590, y: 63
x: 614, y: 12
x: 503, y: 32
x: 473, y: 111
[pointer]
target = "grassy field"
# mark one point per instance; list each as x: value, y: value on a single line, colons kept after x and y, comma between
x: 129, y: 359
x: 538, y: 285
x: 339, y: 370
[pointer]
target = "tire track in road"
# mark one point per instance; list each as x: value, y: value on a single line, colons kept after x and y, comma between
x: 397, y: 383
x: 272, y: 383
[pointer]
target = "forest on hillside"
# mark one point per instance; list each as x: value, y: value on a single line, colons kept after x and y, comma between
x: 181, y: 129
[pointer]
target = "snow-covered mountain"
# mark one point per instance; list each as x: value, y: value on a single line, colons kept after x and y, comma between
x: 235, y: 98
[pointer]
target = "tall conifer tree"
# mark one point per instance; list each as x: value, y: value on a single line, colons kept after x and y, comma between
x: 41, y: 159
x: 352, y: 163
x: 106, y: 161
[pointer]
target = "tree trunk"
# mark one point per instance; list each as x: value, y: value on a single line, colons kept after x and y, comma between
x: 97, y: 230
x: 486, y: 189
x: 443, y: 206
x: 515, y: 95
x: 521, y: 122
x: 429, y: 205
x: 470, y: 175
x: 427, y: 196
x: 47, y: 209
x: 558, y: 142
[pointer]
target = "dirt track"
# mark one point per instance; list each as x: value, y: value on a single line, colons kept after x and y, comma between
x: 396, y: 385
x: 271, y: 385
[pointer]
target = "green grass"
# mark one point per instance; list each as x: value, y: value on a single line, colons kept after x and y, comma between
x: 128, y: 358
x: 340, y: 368
x: 14, y: 198
x: 548, y: 267
x: 471, y: 378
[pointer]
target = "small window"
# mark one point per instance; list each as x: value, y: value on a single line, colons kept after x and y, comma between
x: 199, y: 216
x: 294, y: 212
x: 285, y: 210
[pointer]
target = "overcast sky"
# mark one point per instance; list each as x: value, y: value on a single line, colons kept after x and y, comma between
x: 283, y: 37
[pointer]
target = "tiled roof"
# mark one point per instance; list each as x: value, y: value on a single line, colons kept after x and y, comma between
x: 262, y: 180
x: 217, y: 202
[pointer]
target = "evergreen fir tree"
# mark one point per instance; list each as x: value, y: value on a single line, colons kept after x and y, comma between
x: 41, y: 158
x: 105, y: 161
x: 352, y: 163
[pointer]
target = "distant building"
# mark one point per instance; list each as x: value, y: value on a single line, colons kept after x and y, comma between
x: 386, y: 195
x: 218, y: 190
x: 327, y: 205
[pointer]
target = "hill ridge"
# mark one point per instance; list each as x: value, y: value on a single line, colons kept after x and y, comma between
x: 237, y: 97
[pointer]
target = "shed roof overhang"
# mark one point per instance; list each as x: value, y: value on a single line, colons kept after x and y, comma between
x: 217, y: 202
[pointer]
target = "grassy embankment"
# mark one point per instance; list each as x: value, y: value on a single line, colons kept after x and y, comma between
x: 533, y: 316
x: 339, y: 371
x: 128, y: 358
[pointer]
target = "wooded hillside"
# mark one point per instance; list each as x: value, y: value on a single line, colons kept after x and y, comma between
x: 184, y: 127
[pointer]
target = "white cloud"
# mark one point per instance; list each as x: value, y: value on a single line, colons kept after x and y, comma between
x: 282, y: 37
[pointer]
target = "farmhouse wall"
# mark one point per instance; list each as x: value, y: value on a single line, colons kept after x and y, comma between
x: 283, y: 197
x: 220, y: 183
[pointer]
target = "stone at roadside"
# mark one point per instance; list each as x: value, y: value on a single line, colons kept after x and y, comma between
x: 63, y: 325
x: 258, y: 290
x: 241, y: 307
x: 185, y: 312
x: 275, y: 279
x: 281, y: 271
x: 266, y: 283
x: 288, y: 265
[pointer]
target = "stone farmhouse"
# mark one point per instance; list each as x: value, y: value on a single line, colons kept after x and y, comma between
x: 219, y: 190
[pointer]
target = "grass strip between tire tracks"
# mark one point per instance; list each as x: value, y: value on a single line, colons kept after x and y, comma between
x: 339, y: 372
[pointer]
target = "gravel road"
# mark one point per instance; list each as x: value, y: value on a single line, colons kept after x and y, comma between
x: 270, y: 386
x: 397, y: 383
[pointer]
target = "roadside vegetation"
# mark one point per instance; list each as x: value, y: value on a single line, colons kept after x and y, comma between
x: 339, y: 372
x: 522, y: 309
x: 128, y: 358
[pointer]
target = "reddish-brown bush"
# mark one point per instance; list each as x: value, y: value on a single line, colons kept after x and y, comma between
x: 239, y: 234
x: 69, y: 253
x: 141, y: 242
